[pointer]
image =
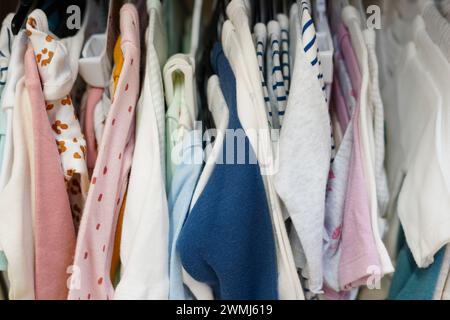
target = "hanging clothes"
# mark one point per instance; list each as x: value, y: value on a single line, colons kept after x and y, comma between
x: 144, y: 272
x: 16, y: 229
x: 239, y: 49
x: 6, y: 41
x: 54, y: 230
x: 57, y: 67
x: 307, y: 127
x: 108, y: 184
x: 206, y: 243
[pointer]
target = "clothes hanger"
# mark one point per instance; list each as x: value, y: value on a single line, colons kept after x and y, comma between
x: 352, y: 19
x: 262, y: 11
x: 256, y: 14
x: 270, y: 7
x: 196, y: 25
x: 204, y: 68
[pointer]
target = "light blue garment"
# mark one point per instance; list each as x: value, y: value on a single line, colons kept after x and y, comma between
x: 3, y: 262
x: 180, y: 196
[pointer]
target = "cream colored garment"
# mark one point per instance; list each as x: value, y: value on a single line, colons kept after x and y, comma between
x: 239, y: 49
x: 438, y: 28
x: 416, y: 149
x: 16, y: 223
x: 351, y: 19
x: 145, y: 271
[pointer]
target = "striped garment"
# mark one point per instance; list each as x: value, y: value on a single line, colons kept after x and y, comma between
x: 260, y: 36
x: 275, y: 79
x: 285, y: 63
x: 310, y: 41
x: 311, y: 49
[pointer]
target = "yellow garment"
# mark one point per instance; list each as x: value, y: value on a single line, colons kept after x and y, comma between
x: 118, y: 65
x: 115, y: 263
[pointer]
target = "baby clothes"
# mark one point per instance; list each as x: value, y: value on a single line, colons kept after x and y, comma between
x: 207, y: 243
x: 144, y: 271
x: 305, y: 157
x: 90, y: 279
x: 6, y: 39
x: 16, y: 223
x: 58, y: 70
x: 53, y: 225
x: 180, y: 196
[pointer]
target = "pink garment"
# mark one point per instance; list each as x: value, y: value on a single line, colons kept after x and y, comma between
x: 94, y: 95
x: 54, y: 230
x: 350, y: 58
x: 359, y: 254
x: 330, y: 294
x: 95, y: 245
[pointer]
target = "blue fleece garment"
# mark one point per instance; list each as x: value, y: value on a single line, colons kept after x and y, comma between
x: 227, y: 241
x: 411, y: 282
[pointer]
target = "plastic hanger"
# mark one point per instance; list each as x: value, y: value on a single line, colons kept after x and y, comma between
x: 358, y: 4
x: 262, y: 11
x: 270, y: 9
x: 204, y: 68
x: 196, y: 25
x: 324, y: 41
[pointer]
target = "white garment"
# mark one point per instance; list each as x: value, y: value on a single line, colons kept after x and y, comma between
x: 438, y: 28
x: 305, y: 162
x: 274, y: 69
x: 352, y: 20
x: 417, y: 143
x: 240, y: 51
x: 260, y: 39
x: 424, y: 201
x: 16, y: 223
x: 15, y: 73
x: 6, y: 38
x: 145, y: 231
x: 378, y: 122
x: 196, y: 26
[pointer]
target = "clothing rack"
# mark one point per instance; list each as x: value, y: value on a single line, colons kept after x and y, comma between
x: 225, y: 150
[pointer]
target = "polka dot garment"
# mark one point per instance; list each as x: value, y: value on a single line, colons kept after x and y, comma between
x: 90, y: 278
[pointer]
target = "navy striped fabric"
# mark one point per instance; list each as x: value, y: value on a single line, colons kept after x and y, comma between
x: 277, y: 91
x: 311, y: 49
x: 260, y: 36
